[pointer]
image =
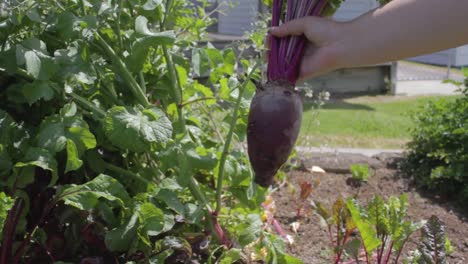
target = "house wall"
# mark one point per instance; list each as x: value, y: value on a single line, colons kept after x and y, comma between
x: 458, y: 57
x: 239, y: 19
x: 438, y: 58
x: 462, y: 56
x: 353, y: 8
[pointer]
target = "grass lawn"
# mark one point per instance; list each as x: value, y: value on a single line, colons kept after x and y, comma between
x: 364, y: 122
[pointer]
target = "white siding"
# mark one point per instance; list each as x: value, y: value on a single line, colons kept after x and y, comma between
x: 353, y: 8
x: 462, y: 56
x: 239, y: 19
x: 438, y: 58
x: 458, y: 57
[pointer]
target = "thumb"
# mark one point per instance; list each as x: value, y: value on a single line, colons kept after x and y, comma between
x: 295, y: 27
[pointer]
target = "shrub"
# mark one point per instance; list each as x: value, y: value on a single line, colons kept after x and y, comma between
x: 438, y: 152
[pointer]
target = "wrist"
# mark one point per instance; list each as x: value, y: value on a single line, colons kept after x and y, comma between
x: 342, y: 46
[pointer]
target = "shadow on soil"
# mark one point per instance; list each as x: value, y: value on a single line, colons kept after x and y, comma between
x: 449, y: 203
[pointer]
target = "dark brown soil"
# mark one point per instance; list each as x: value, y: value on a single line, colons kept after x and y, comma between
x: 311, y: 243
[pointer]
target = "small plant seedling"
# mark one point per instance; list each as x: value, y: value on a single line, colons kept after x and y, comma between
x: 360, y: 172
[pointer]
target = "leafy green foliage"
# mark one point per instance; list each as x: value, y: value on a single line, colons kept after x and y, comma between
x: 340, y: 226
x: 438, y: 150
x: 368, y: 233
x: 6, y: 203
x: 136, y: 130
x: 388, y: 223
x: 360, y: 172
x: 432, y: 245
x: 86, y: 196
x: 131, y: 92
x: 382, y: 226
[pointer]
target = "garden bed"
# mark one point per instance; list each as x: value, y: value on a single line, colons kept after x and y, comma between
x: 311, y: 242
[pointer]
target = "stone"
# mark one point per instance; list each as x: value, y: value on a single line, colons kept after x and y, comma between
x: 339, y: 162
x: 391, y: 160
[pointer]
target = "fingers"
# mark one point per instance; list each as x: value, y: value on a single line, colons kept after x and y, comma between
x: 316, y: 63
x: 295, y: 27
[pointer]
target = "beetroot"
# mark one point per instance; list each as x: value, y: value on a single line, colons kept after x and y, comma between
x: 274, y: 123
x: 276, y: 109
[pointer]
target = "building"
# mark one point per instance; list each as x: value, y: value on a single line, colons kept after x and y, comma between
x: 240, y: 18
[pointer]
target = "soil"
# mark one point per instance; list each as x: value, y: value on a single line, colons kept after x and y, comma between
x: 311, y: 242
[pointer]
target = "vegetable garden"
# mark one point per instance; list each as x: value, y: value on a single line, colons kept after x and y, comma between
x: 114, y: 148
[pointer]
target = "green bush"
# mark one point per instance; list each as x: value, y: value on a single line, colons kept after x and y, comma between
x: 438, y: 152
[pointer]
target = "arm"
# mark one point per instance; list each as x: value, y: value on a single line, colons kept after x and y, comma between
x: 400, y: 29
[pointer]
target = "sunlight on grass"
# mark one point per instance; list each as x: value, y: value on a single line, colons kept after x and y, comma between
x: 365, y: 122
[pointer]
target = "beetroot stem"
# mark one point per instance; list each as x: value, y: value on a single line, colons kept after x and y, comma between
x: 285, y: 53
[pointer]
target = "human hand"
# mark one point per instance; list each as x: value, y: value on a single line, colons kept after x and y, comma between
x: 323, y: 50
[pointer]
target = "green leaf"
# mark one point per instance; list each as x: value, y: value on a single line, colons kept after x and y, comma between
x: 338, y: 208
x: 6, y: 203
x: 432, y: 246
x: 136, y: 130
x: 323, y: 212
x: 205, y: 91
x: 69, y: 26
x: 352, y: 248
x: 121, y: 238
x: 230, y: 60
x: 73, y: 162
x: 42, y: 158
x: 288, y: 259
x: 33, y: 53
x: 34, y: 15
x: 141, y: 27
x: 378, y: 216
x: 8, y: 60
x: 360, y: 172
x: 172, y: 201
x: 142, y: 45
x: 5, y: 161
x: 33, y: 63
x: 368, y: 234
x: 55, y: 130
x: 151, y: 5
x: 95, y: 162
x: 37, y: 90
x: 86, y: 196
x: 200, y: 62
x: 182, y: 75
x: 230, y: 256
x: 82, y: 137
x: 250, y: 231
x: 151, y: 218
x: 224, y: 91
x: 52, y: 135
x: 161, y: 257
x: 180, y: 246
x: 199, y: 158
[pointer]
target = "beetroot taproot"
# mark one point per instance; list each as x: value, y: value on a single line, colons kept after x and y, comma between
x: 276, y: 109
x: 273, y: 126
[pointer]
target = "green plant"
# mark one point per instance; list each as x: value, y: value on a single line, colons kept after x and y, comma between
x: 113, y: 146
x: 438, y: 151
x: 360, y: 172
x: 434, y: 244
x: 340, y: 227
x: 382, y: 227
